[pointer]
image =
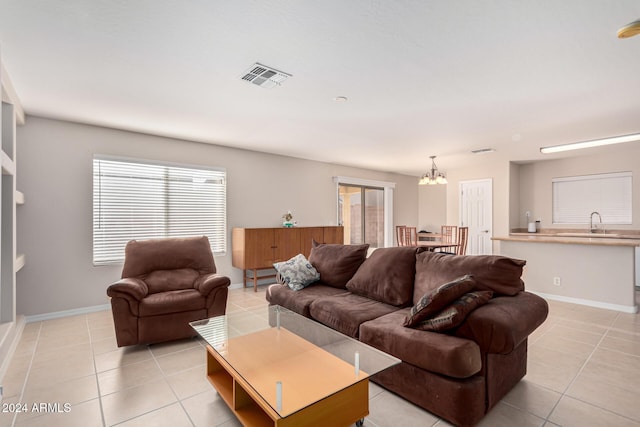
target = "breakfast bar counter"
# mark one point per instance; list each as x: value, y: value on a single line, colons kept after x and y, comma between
x: 578, y: 267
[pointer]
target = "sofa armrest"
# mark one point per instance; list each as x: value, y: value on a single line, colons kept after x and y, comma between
x: 133, y: 287
x: 208, y: 282
x: 502, y: 324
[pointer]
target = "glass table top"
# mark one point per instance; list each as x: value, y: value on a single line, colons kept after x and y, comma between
x: 289, y: 360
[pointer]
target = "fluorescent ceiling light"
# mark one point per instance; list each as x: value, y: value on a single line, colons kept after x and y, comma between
x: 592, y: 143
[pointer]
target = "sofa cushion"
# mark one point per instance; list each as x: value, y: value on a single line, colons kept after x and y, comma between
x: 171, y: 302
x: 436, y: 300
x: 337, y: 263
x: 297, y: 273
x: 455, y: 313
x: 495, y: 273
x: 439, y: 353
x: 345, y: 312
x: 299, y: 301
x: 169, y: 280
x: 387, y: 276
x: 505, y: 322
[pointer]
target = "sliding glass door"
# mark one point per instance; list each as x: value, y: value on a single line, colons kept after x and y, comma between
x: 361, y: 212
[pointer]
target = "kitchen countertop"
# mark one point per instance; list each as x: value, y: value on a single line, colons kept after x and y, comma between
x: 621, y: 238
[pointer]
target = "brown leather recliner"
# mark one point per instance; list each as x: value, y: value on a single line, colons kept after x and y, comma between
x: 166, y: 283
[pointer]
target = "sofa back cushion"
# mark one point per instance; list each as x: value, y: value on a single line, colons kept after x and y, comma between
x: 170, y: 280
x: 144, y: 256
x: 387, y: 276
x: 337, y: 263
x: 495, y: 273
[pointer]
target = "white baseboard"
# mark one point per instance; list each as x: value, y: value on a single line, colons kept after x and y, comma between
x: 590, y: 303
x: 10, y: 343
x: 66, y: 313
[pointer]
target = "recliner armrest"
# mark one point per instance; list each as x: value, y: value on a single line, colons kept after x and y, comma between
x: 208, y: 282
x: 130, y: 286
x: 502, y: 324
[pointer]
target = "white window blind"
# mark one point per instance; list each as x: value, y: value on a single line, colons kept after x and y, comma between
x: 574, y: 198
x: 137, y: 200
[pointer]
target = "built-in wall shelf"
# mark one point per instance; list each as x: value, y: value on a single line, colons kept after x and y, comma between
x: 19, y: 263
x: 11, y: 114
x: 19, y: 197
x: 8, y: 167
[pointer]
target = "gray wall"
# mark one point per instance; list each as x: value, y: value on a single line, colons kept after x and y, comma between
x: 55, y: 224
x: 536, y: 190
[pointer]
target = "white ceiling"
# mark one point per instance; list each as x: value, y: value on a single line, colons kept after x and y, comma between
x: 422, y: 77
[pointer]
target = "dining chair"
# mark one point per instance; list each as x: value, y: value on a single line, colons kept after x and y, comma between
x: 448, y: 234
x: 411, y: 236
x: 463, y: 237
x: 406, y: 236
x: 400, y: 234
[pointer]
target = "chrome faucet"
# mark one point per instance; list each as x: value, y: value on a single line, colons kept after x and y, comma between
x: 591, y: 228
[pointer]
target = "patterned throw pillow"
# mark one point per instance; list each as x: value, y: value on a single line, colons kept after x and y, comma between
x: 297, y: 273
x: 436, y: 300
x: 455, y: 314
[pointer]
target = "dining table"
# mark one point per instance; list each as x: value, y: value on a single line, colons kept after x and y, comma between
x: 432, y: 245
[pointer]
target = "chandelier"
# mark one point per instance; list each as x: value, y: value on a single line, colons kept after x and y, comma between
x: 433, y: 177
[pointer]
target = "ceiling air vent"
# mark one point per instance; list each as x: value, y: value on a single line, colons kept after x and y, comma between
x: 264, y: 76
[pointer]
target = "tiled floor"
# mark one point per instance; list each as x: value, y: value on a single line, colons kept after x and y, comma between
x: 584, y: 370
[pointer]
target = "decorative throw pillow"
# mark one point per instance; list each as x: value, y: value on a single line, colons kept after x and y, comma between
x: 297, y: 272
x: 433, y: 302
x: 455, y: 314
x: 337, y: 263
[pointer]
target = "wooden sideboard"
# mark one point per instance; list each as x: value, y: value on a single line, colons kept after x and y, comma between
x: 256, y: 249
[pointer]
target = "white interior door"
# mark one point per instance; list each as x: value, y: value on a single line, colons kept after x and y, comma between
x: 476, y: 212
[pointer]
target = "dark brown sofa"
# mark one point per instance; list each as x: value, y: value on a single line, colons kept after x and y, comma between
x: 166, y: 283
x: 458, y: 375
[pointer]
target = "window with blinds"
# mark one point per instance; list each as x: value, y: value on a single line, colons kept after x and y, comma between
x: 574, y: 198
x: 137, y: 200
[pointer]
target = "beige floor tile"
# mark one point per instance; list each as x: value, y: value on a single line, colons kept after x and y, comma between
x: 628, y: 324
x: 98, y: 334
x: 165, y: 348
x: 31, y: 330
x: 128, y: 376
x: 121, y: 357
x: 136, y: 401
x: 504, y: 415
x: 186, y: 359
x: 207, y: 409
x: 614, y: 366
x: 560, y: 342
x: 70, y: 368
x: 617, y: 398
x: 61, y: 340
x: 172, y: 415
x: 629, y: 346
x: 598, y: 316
x: 387, y: 409
x: 551, y: 368
x: 190, y: 382
x: 532, y: 398
x: 104, y: 345
x: 9, y: 412
x: 571, y: 412
x: 64, y: 355
x: 573, y: 332
x: 86, y: 414
x: 73, y: 391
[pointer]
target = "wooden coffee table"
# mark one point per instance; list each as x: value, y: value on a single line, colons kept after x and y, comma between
x: 274, y: 367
